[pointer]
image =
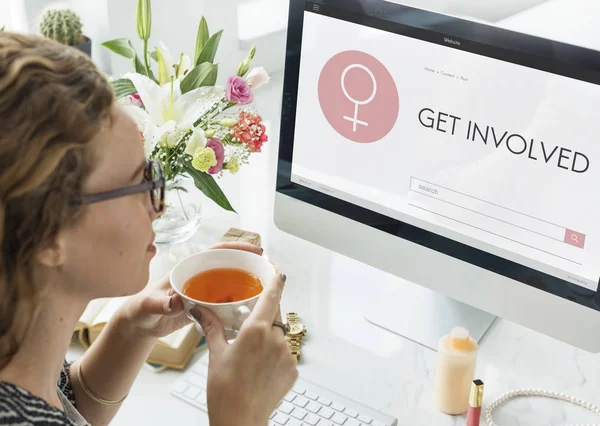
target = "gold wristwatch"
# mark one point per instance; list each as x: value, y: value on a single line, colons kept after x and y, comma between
x: 296, y: 333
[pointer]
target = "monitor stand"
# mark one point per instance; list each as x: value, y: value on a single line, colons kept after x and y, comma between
x: 425, y: 316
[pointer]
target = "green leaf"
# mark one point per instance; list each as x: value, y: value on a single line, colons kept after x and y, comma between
x: 200, y: 76
x: 140, y: 68
x: 2, y: 28
x: 201, y: 38
x: 124, y: 47
x: 209, y: 51
x: 121, y: 46
x: 211, y: 79
x: 207, y: 184
x: 123, y: 87
x: 154, y: 56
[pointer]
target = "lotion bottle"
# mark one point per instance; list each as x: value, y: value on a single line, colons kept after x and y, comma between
x: 456, y: 361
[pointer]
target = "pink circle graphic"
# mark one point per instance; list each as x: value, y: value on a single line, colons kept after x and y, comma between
x: 358, y: 96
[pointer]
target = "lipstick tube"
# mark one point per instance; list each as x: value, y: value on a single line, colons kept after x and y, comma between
x: 475, y: 403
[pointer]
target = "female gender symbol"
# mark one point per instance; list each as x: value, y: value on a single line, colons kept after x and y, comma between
x: 352, y: 72
x: 356, y: 103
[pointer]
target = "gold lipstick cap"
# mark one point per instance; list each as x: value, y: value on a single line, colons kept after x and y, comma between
x: 476, y: 397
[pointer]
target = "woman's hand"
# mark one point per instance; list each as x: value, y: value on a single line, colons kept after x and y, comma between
x: 157, y: 311
x: 247, y: 379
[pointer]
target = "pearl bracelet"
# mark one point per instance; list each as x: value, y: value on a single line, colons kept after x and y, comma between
x: 503, y: 399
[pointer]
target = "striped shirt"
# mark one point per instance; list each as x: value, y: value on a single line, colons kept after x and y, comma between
x: 19, y: 407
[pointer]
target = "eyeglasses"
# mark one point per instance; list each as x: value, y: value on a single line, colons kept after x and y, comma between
x: 154, y: 182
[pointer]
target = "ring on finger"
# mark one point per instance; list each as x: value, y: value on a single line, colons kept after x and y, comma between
x: 284, y: 327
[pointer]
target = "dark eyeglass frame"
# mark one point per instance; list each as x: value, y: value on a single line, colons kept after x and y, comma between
x: 148, y: 186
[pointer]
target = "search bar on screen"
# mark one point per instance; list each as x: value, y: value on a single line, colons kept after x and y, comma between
x: 493, y: 218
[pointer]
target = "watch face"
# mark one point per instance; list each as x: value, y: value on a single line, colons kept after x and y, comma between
x: 296, y: 328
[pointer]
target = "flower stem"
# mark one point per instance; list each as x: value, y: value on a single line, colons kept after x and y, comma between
x: 146, y: 56
x: 182, y: 206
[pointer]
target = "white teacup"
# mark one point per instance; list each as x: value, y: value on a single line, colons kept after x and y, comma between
x: 233, y: 314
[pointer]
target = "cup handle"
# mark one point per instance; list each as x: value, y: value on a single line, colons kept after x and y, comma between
x: 242, y: 313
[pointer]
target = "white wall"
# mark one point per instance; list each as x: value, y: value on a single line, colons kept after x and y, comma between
x: 12, y: 15
x: 245, y: 22
x: 23, y: 16
x: 94, y: 14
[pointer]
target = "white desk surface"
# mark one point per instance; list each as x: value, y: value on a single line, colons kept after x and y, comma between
x: 346, y: 353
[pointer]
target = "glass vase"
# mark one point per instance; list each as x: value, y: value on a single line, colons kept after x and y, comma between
x: 182, y: 215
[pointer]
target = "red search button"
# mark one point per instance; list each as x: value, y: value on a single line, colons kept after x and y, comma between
x: 574, y: 238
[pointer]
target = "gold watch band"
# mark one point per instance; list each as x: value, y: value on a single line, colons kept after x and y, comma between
x: 295, y: 341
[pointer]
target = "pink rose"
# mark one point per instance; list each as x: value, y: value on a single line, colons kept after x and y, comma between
x: 216, y: 145
x: 238, y: 91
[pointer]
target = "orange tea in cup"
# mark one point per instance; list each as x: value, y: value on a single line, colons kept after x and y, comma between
x: 222, y: 285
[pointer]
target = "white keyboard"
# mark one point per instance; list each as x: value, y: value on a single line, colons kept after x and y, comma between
x: 307, y: 404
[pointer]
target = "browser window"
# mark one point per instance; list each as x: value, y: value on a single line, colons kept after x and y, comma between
x: 493, y: 154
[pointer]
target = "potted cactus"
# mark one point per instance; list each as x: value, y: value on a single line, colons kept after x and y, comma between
x: 64, y: 26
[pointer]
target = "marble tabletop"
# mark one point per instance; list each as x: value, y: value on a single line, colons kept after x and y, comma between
x: 349, y: 355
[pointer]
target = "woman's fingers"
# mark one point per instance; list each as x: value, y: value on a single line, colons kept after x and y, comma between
x: 235, y: 245
x: 267, y: 306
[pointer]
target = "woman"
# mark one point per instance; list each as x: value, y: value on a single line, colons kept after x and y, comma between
x: 63, y: 141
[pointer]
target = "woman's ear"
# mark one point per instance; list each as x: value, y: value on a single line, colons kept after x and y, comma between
x: 54, y: 254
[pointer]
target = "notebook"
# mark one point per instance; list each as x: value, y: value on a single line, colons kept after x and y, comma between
x: 174, y: 350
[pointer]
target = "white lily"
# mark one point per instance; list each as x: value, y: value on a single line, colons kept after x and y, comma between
x: 182, y: 68
x: 167, y: 67
x: 166, y: 109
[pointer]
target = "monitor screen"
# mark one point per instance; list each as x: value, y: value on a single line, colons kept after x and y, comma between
x: 454, y: 135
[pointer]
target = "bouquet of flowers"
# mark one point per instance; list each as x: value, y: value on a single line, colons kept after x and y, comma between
x: 190, y: 125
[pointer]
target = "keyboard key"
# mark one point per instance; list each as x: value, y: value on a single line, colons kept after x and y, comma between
x: 201, y: 398
x: 325, y: 423
x: 281, y: 419
x: 311, y: 419
x: 300, y: 401
x: 324, y: 401
x: 366, y: 420
x: 196, y: 379
x: 299, y: 390
x: 286, y: 408
x: 351, y: 413
x: 180, y: 387
x: 352, y: 422
x: 290, y: 397
x: 294, y: 422
x: 338, y: 407
x: 339, y: 419
x: 326, y: 413
x: 299, y: 413
x: 192, y: 392
x: 313, y: 407
x: 273, y: 414
x: 200, y: 369
x: 378, y: 423
x: 311, y: 395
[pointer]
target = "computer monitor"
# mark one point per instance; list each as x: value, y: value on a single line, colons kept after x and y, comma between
x: 459, y: 156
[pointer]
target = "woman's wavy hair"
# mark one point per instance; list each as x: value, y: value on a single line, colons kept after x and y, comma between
x: 53, y: 101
